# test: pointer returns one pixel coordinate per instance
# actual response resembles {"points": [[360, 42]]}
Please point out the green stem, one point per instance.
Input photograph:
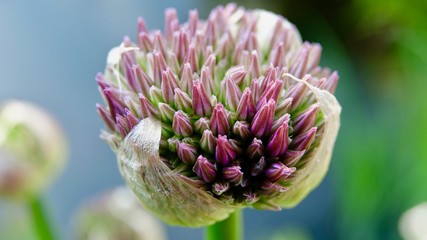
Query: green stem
{"points": [[229, 229], [40, 220]]}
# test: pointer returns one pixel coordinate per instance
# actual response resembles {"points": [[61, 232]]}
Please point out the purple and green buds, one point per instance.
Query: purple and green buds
{"points": [[214, 115]]}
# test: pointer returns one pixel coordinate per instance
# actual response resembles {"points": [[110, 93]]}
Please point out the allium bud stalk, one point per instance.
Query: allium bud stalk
{"points": [[234, 111]]}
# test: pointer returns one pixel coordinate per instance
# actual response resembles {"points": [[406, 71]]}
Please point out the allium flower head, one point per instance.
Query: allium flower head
{"points": [[210, 116], [33, 149]]}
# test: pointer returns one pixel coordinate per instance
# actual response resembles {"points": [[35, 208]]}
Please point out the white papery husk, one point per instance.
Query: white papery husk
{"points": [[177, 202]]}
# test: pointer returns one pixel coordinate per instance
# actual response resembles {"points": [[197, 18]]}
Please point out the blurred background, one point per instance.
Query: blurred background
{"points": [[50, 52]]}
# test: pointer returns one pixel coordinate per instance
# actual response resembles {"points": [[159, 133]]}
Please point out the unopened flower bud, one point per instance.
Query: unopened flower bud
{"points": [[33, 149], [114, 215], [231, 109]]}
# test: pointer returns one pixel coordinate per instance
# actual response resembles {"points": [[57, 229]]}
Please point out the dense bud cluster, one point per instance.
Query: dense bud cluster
{"points": [[236, 119]]}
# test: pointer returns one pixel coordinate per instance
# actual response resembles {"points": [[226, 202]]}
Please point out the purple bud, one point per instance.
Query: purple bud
{"points": [[270, 77], [252, 42], [201, 125], [254, 67], [261, 102], [147, 109], [168, 85], [186, 78], [210, 63], [232, 94], [246, 107], [166, 112], [114, 104], [278, 55], [144, 42], [210, 34], [182, 100], [283, 106], [201, 104], [292, 157], [331, 83], [315, 53], [173, 63], [241, 129], [224, 152], [159, 43], [106, 116], [305, 120], [297, 93], [278, 142], [272, 188], [219, 122], [250, 196], [304, 141], [219, 188], [141, 25], [170, 26], [259, 167], [256, 89], [263, 119], [144, 82], [278, 171], [237, 74], [159, 65], [299, 67], [204, 169], [237, 53], [193, 19], [208, 142], [186, 152], [181, 124], [223, 46], [206, 79], [180, 44], [193, 182], [273, 90], [191, 58], [122, 126], [101, 81], [232, 174], [280, 121], [155, 94], [255, 149], [131, 119], [126, 42]]}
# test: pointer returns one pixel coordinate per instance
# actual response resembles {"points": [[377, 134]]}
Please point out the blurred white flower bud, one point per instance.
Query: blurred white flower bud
{"points": [[116, 215], [33, 149], [413, 222]]}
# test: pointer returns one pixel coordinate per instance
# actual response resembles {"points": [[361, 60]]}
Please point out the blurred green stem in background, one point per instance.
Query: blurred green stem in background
{"points": [[228, 229], [40, 220]]}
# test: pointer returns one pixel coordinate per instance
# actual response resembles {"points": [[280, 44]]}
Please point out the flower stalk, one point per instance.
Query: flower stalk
{"points": [[41, 223], [228, 229]]}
